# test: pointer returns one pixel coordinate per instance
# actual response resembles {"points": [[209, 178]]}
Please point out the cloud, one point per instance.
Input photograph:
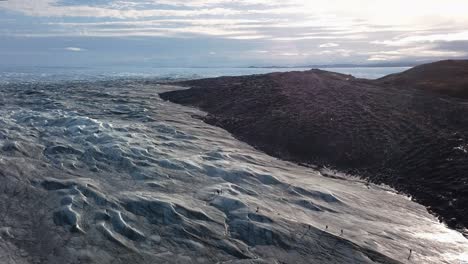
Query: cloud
{"points": [[328, 45], [453, 36], [288, 20], [290, 54], [74, 49], [415, 53], [338, 52], [321, 29]]}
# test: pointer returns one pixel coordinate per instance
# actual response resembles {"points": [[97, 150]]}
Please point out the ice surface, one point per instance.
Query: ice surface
{"points": [[106, 172]]}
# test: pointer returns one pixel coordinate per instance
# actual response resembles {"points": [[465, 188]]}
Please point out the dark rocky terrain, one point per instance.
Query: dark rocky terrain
{"points": [[448, 77], [407, 138]]}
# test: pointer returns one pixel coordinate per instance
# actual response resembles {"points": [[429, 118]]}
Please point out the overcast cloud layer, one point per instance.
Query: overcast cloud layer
{"points": [[230, 32]]}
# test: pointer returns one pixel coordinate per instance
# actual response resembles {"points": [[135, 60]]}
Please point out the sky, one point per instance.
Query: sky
{"points": [[230, 33]]}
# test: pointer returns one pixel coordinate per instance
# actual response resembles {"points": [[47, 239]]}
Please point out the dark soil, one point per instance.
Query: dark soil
{"points": [[448, 77], [409, 139]]}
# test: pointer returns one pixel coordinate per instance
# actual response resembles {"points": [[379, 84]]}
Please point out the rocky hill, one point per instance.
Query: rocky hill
{"points": [[448, 77], [410, 139]]}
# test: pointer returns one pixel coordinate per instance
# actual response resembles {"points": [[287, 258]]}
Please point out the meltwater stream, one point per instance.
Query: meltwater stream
{"points": [[107, 172]]}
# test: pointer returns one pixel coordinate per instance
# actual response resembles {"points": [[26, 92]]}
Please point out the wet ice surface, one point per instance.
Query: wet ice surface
{"points": [[107, 172]]}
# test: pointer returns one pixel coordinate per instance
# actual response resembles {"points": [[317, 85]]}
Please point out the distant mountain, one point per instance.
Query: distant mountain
{"points": [[449, 77], [341, 65]]}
